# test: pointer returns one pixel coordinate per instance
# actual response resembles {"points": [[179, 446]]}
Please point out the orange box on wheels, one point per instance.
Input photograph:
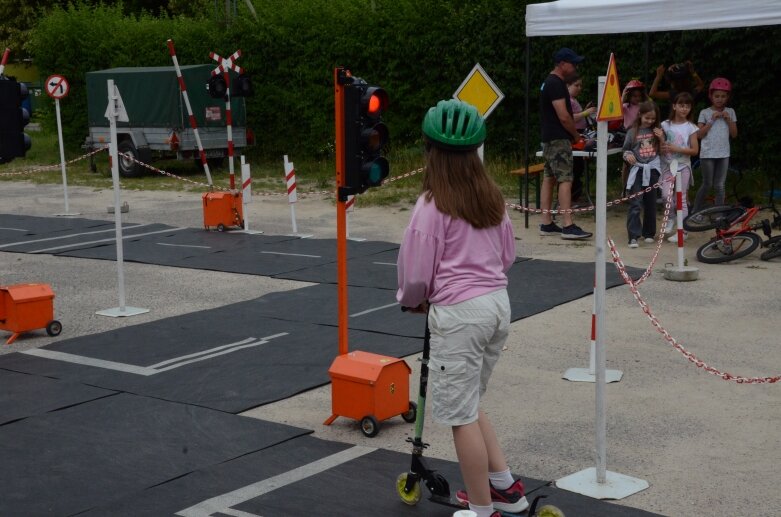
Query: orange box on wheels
{"points": [[370, 388], [26, 307], [222, 210]]}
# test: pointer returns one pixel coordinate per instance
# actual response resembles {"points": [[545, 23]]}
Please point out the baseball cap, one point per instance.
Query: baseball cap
{"points": [[568, 55]]}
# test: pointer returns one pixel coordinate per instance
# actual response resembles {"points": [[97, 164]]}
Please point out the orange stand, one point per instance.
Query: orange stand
{"points": [[26, 307], [222, 210], [364, 386]]}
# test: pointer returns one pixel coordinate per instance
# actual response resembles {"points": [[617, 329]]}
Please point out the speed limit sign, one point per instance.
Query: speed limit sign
{"points": [[57, 86]]}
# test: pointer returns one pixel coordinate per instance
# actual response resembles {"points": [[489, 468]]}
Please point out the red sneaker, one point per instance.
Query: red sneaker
{"points": [[510, 500]]}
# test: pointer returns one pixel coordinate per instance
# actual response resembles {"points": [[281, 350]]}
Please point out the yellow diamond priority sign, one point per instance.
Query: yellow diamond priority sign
{"points": [[480, 91], [610, 108]]}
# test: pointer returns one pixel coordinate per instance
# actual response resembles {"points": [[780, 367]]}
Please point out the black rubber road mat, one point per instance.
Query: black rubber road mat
{"points": [[228, 358], [24, 395], [308, 476], [72, 460]]}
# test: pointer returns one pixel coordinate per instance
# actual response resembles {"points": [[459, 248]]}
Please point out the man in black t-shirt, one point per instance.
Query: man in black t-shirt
{"points": [[558, 134]]}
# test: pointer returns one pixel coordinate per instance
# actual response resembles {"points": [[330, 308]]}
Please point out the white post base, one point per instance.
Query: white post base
{"points": [[248, 232], [117, 312], [584, 375], [616, 486], [681, 274]]}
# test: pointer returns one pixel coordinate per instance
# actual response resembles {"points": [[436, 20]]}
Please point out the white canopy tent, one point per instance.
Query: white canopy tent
{"points": [[583, 17], [565, 17]]}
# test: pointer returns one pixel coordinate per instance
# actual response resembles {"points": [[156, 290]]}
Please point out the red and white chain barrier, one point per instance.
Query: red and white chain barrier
{"points": [[658, 326], [52, 167]]}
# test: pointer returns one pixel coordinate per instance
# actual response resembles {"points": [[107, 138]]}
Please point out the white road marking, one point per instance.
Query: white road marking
{"points": [[385, 263], [89, 361], [290, 254], [183, 245], [224, 502], [162, 366], [59, 237], [112, 239], [14, 229], [372, 310]]}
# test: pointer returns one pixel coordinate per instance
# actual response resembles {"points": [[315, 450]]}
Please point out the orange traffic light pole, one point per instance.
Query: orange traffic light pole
{"points": [[340, 76]]}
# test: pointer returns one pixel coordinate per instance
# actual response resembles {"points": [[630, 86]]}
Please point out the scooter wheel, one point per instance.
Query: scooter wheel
{"points": [[549, 511], [410, 415], [413, 496], [369, 426], [54, 328]]}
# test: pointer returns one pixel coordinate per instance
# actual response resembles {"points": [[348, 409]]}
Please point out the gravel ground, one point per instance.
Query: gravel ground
{"points": [[705, 445]]}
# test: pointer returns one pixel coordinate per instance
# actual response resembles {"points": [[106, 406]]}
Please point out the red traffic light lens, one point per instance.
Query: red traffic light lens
{"points": [[374, 101]]}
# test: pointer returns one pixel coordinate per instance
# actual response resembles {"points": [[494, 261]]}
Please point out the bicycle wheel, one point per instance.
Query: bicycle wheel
{"points": [[712, 217], [721, 250], [773, 248]]}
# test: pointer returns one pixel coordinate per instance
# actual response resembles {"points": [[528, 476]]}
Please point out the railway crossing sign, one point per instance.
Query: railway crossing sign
{"points": [[57, 86], [226, 64]]}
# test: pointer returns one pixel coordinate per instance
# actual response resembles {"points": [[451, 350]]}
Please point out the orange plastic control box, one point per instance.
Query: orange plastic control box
{"points": [[26, 307], [222, 210], [369, 385]]}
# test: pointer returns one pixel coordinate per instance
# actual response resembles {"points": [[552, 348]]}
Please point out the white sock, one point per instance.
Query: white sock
{"points": [[501, 480], [482, 511]]}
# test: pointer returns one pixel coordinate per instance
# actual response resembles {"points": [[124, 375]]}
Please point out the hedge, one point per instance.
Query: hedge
{"points": [[419, 51]]}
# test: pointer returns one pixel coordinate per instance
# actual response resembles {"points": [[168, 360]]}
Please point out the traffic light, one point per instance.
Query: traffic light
{"points": [[365, 135], [14, 143], [217, 87], [242, 86]]}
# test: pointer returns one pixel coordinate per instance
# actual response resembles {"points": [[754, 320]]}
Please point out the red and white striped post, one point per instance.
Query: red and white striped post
{"points": [[349, 206], [589, 374], [246, 194], [682, 272], [6, 53], [227, 64], [193, 123], [292, 195]]}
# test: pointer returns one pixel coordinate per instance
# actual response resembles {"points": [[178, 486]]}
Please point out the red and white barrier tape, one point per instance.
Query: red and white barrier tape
{"points": [[658, 326], [53, 167]]}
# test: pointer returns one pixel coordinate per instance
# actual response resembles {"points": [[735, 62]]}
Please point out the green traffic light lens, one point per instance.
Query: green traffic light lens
{"points": [[375, 172]]}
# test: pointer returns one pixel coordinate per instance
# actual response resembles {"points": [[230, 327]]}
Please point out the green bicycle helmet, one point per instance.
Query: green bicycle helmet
{"points": [[454, 125]]}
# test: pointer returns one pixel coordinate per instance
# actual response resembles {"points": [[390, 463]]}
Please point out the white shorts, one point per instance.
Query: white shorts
{"points": [[466, 340]]}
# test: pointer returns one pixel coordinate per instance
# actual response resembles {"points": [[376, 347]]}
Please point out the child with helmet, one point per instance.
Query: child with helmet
{"points": [[452, 263], [717, 124], [632, 96]]}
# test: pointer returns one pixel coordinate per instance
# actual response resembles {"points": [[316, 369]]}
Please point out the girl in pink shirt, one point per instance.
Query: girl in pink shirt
{"points": [[452, 264]]}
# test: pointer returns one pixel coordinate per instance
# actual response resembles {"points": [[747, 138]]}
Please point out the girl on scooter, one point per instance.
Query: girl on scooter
{"points": [[452, 264]]}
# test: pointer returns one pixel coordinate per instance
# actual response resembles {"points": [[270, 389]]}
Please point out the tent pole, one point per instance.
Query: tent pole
{"points": [[525, 177]]}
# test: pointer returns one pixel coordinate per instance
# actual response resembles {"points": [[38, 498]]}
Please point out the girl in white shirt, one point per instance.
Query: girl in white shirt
{"points": [[680, 144]]}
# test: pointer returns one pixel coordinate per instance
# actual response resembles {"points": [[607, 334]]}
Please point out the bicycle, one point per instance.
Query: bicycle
{"points": [[735, 237]]}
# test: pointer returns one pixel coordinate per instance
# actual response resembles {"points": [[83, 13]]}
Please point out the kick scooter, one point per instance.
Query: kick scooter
{"points": [[408, 483]]}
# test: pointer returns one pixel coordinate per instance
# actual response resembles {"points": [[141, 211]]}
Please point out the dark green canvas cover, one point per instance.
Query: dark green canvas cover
{"points": [[152, 99]]}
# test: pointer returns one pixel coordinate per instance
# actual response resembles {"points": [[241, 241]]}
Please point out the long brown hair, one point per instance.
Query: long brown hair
{"points": [[642, 109], [461, 188]]}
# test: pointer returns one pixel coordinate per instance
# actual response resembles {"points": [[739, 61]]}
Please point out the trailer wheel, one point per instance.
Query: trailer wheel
{"points": [[54, 328], [127, 167]]}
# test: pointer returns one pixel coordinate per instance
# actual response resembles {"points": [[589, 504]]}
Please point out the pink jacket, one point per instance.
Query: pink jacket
{"points": [[447, 261]]}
